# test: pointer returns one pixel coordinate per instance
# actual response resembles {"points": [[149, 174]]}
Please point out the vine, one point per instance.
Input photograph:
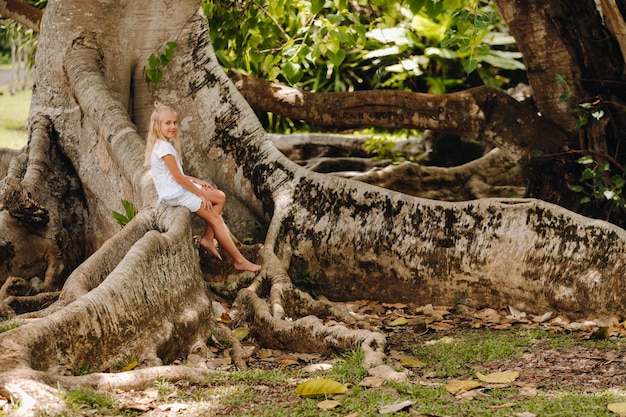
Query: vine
{"points": [[154, 73]]}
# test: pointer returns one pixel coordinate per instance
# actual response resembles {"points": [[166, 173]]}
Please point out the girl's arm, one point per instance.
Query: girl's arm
{"points": [[184, 180], [200, 182]]}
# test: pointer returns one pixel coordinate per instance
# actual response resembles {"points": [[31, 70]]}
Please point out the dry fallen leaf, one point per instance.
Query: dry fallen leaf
{"points": [[498, 377], [241, 333], [400, 321], [372, 382], [619, 408], [398, 306], [172, 407], [129, 366], [543, 318], [319, 387], [516, 314], [314, 367], [488, 315], [441, 326], [287, 362], [328, 404], [265, 353], [411, 362], [388, 409], [527, 392], [456, 386], [224, 318], [387, 373]]}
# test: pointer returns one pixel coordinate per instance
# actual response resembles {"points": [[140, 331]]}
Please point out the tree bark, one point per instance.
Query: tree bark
{"points": [[572, 42], [482, 113], [21, 12]]}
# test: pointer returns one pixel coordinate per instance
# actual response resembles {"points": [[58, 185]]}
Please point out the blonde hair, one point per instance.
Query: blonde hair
{"points": [[154, 131]]}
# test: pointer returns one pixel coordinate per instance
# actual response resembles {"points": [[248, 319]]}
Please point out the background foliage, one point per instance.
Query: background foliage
{"points": [[433, 46]]}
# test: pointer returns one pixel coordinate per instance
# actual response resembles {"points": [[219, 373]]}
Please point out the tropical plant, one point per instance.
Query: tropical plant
{"points": [[417, 45]]}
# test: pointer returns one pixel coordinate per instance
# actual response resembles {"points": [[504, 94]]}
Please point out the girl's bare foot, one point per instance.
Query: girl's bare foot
{"points": [[246, 265], [209, 246]]}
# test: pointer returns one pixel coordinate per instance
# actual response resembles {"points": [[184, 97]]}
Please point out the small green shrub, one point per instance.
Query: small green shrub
{"points": [[131, 211], [600, 185]]}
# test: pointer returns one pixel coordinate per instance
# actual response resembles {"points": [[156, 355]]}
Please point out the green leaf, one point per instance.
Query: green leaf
{"points": [[320, 387], [293, 72], [588, 174], [576, 188], [120, 218], [561, 78], [130, 209], [469, 65], [129, 366], [503, 60], [153, 61], [336, 58], [565, 96], [158, 77], [317, 6], [585, 160]]}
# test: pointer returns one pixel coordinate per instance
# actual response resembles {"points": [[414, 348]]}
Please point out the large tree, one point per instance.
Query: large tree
{"points": [[78, 287]]}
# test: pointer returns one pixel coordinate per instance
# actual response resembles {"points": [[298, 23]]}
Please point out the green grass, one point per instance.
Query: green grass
{"points": [[14, 118], [86, 399], [7, 324]]}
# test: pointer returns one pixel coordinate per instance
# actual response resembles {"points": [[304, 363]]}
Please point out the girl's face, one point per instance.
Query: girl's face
{"points": [[169, 125]]}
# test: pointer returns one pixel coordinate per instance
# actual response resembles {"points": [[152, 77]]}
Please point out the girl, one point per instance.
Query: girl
{"points": [[177, 189]]}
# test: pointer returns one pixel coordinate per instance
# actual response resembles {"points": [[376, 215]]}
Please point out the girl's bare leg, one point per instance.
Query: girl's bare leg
{"points": [[218, 200], [208, 243], [221, 233]]}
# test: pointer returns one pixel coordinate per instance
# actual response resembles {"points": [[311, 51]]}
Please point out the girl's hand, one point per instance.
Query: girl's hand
{"points": [[205, 185], [207, 203]]}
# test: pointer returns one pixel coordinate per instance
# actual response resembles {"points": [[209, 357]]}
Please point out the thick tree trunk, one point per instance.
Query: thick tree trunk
{"points": [[572, 42], [143, 287]]}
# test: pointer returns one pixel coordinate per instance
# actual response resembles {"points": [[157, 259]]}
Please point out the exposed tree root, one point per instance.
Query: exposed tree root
{"points": [[119, 297], [42, 240], [493, 175]]}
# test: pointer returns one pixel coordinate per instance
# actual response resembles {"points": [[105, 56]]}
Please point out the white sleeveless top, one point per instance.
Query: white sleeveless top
{"points": [[164, 182]]}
